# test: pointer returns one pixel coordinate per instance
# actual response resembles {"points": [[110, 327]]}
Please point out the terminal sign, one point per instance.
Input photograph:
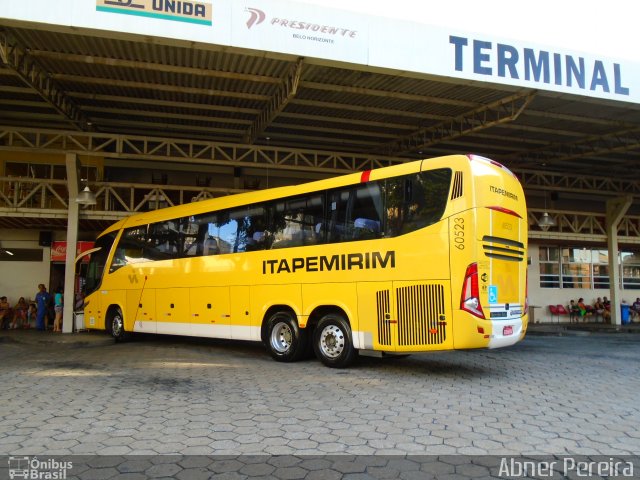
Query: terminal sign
{"points": [[539, 66]]}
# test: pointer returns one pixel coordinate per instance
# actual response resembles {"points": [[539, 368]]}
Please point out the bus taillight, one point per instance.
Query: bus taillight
{"points": [[505, 210], [470, 299]]}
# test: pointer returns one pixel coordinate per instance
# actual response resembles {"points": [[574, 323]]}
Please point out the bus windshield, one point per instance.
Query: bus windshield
{"points": [[97, 262]]}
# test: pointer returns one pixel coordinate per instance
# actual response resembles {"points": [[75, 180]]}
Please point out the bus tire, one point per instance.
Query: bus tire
{"points": [[332, 341], [116, 326], [285, 340]]}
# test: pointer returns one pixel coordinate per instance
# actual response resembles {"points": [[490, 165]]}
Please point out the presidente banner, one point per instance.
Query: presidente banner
{"points": [[300, 29], [305, 30]]}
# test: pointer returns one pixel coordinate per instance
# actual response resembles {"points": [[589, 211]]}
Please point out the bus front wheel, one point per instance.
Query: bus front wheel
{"points": [[285, 340], [332, 341], [116, 323]]}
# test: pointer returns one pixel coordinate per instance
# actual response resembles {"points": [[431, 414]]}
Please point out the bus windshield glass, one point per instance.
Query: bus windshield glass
{"points": [[97, 262]]}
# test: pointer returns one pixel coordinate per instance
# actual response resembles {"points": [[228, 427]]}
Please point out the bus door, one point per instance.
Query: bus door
{"points": [[210, 314], [141, 304], [172, 311], [241, 326]]}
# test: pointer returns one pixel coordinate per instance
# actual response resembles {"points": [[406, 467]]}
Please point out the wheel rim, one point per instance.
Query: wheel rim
{"points": [[281, 337], [116, 326], [332, 340]]}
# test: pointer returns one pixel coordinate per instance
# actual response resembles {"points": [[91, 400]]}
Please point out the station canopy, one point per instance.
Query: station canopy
{"points": [[531, 108]]}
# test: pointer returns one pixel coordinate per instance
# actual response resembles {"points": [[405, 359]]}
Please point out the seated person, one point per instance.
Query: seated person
{"points": [[582, 309], [5, 313], [366, 228], [607, 309], [598, 307], [20, 313]]}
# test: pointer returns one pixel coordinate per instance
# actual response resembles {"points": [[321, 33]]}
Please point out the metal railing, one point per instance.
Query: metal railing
{"points": [[21, 195], [17, 193], [582, 226]]}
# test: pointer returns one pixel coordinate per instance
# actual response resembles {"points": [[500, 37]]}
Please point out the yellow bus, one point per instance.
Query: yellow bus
{"points": [[417, 257]]}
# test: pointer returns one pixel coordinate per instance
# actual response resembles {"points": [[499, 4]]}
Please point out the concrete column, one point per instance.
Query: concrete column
{"points": [[616, 210], [73, 167]]}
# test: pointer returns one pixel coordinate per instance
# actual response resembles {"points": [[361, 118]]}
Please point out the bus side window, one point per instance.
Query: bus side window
{"points": [[294, 221], [416, 201], [163, 241], [130, 248], [189, 239], [356, 213], [338, 221], [210, 226]]}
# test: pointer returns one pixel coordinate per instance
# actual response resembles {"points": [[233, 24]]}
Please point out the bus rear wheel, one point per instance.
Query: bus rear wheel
{"points": [[332, 341], [285, 340], [116, 326]]}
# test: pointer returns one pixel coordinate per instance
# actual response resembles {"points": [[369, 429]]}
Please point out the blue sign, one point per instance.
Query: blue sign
{"points": [[493, 294]]}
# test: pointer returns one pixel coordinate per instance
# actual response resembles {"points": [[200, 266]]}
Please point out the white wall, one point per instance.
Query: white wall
{"points": [[21, 279], [543, 297]]}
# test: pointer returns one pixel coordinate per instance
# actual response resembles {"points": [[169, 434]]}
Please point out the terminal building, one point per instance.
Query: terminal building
{"points": [[112, 107]]}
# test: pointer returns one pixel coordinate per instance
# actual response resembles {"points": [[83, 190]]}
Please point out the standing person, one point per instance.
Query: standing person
{"points": [[574, 311], [635, 309], [42, 300], [57, 302], [32, 314]]}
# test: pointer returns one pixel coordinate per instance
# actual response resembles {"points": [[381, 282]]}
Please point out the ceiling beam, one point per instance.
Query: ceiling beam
{"points": [[624, 140], [387, 94], [502, 111], [153, 67], [20, 60], [20, 90], [367, 109], [286, 91], [26, 103], [156, 114], [289, 127], [346, 121], [164, 126], [326, 141], [446, 101], [564, 182], [164, 103], [112, 82]]}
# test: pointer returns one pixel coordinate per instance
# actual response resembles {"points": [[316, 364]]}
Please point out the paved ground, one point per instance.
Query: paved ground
{"points": [[82, 394]]}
